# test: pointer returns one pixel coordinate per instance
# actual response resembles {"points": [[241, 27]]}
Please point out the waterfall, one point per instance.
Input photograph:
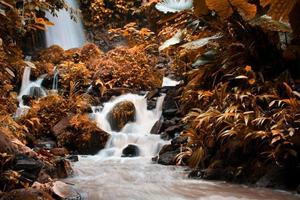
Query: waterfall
{"points": [[30, 89], [55, 80], [25, 78], [108, 175], [66, 32], [167, 82], [136, 132]]}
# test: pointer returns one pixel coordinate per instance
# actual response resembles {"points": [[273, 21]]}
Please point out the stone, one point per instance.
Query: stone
{"points": [[72, 158], [47, 144], [84, 136], [167, 155], [28, 166], [122, 113], [156, 129], [131, 151], [196, 174], [27, 100], [65, 191], [36, 92], [26, 194], [169, 112]]}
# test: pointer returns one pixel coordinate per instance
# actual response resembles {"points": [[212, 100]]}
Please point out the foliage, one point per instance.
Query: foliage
{"points": [[20, 17], [115, 12]]}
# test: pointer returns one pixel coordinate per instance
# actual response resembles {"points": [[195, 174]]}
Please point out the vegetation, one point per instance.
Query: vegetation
{"points": [[239, 97]]}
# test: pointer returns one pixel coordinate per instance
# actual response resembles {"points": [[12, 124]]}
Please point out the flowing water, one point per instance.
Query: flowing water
{"points": [[66, 32], [32, 89], [109, 176]]}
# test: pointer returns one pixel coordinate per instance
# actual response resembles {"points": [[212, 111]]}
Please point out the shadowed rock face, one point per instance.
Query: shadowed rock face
{"points": [[120, 115], [131, 151]]}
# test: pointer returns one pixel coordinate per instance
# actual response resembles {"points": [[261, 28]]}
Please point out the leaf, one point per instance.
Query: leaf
{"points": [[225, 8], [10, 72], [173, 40], [200, 8], [30, 64], [264, 3], [241, 77], [274, 140], [280, 9], [201, 42], [196, 157]]}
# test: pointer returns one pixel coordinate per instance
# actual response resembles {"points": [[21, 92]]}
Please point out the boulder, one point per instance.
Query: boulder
{"points": [[131, 151], [122, 113], [26, 194], [156, 129], [65, 191], [29, 167], [36, 92], [167, 155], [78, 133]]}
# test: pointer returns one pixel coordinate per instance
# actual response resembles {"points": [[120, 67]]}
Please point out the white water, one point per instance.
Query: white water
{"points": [[55, 80], [109, 176], [66, 32], [169, 82], [27, 88]]}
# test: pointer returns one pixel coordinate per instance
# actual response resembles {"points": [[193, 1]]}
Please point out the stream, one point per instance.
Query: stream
{"points": [[108, 175]]}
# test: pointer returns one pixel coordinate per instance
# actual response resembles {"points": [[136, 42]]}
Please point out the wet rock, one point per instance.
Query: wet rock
{"points": [[167, 155], [196, 174], [28, 166], [172, 132], [213, 173], [169, 112], [177, 141], [151, 104], [27, 100], [49, 144], [152, 99], [170, 106], [26, 194], [156, 129], [72, 158], [64, 191], [79, 133], [131, 151], [62, 168], [36, 92], [121, 114]]}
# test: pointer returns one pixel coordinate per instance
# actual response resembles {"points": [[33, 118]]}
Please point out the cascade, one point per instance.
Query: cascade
{"points": [[55, 80], [108, 175], [29, 88], [66, 32]]}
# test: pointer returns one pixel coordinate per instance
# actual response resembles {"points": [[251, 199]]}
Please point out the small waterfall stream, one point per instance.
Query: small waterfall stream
{"points": [[108, 175], [66, 32], [30, 89]]}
